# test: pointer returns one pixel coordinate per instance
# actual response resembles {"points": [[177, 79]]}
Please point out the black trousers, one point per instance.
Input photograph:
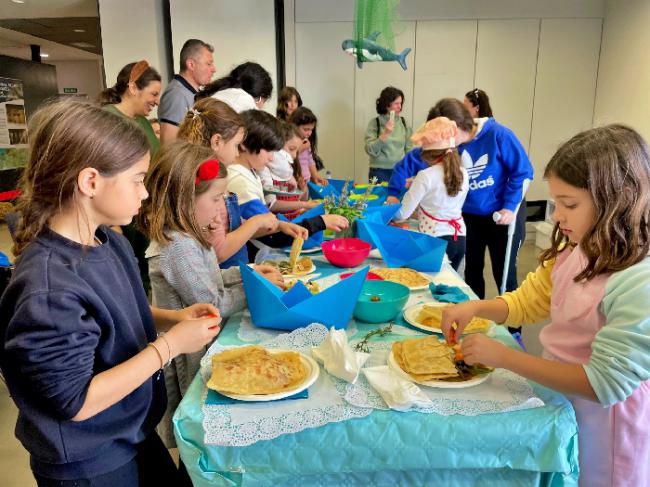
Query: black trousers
{"points": [[455, 249], [482, 232], [151, 467]]}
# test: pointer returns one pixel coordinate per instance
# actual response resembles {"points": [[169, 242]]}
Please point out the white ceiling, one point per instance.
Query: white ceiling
{"points": [[34, 9], [16, 44]]}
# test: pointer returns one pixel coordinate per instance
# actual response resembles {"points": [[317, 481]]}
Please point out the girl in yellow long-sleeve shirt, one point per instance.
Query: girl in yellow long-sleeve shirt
{"points": [[594, 285]]}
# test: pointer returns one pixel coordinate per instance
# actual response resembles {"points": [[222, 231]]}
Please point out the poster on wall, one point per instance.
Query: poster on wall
{"points": [[13, 124]]}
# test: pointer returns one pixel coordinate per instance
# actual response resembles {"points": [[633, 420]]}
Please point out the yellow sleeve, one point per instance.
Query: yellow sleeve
{"points": [[531, 302]]}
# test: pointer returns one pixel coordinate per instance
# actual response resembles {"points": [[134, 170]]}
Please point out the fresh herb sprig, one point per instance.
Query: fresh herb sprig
{"points": [[341, 205], [362, 346]]}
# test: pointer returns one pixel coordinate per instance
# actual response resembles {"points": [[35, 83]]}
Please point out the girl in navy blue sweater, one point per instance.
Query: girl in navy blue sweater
{"points": [[80, 351]]}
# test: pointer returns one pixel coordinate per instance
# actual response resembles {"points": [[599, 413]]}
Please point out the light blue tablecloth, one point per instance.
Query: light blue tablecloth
{"points": [[522, 448]]}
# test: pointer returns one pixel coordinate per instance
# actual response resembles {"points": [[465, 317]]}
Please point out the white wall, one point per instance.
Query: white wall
{"points": [[533, 58], [131, 31], [240, 31], [85, 76], [565, 88], [328, 92], [623, 91], [343, 10]]}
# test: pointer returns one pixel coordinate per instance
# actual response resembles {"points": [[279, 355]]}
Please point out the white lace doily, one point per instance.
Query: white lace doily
{"points": [[249, 333], [503, 391], [243, 424]]}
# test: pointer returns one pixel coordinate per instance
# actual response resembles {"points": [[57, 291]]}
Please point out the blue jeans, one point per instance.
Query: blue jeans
{"points": [[234, 215], [382, 175]]}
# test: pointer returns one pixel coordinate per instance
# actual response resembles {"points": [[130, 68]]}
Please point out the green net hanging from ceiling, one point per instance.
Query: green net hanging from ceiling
{"points": [[372, 17]]}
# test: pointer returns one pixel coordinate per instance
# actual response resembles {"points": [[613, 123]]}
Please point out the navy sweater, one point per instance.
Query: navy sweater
{"points": [[68, 314]]}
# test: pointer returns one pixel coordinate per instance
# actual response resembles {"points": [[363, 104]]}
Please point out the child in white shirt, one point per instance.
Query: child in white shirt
{"points": [[438, 192], [282, 173]]}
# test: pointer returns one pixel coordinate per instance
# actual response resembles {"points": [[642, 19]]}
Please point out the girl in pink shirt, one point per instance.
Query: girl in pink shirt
{"points": [[594, 285]]}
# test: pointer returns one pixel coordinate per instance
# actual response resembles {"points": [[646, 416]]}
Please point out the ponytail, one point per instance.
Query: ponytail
{"points": [[112, 95], [453, 175], [193, 129], [209, 117]]}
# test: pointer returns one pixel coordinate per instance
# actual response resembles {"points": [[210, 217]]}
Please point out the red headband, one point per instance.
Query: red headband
{"points": [[208, 170]]}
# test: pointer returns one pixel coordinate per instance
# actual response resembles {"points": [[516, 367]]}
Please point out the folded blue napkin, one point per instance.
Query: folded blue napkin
{"points": [[447, 294], [215, 399]]}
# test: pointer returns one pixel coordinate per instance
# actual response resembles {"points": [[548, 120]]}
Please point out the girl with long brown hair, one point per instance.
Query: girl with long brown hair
{"points": [[594, 285], [438, 192], [310, 161], [187, 186], [80, 351], [288, 101]]}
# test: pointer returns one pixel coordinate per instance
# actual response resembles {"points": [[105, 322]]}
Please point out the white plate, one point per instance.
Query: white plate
{"points": [[375, 254], [312, 374], [416, 288], [303, 274], [310, 250], [411, 314], [441, 384], [295, 276], [281, 192]]}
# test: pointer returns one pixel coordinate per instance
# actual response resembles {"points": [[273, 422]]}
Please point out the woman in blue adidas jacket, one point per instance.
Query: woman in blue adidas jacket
{"points": [[498, 166]]}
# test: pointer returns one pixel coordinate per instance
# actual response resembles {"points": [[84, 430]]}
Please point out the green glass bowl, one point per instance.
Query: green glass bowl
{"points": [[380, 301]]}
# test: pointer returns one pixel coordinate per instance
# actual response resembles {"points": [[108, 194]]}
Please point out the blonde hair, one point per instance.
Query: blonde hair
{"points": [[209, 117], [172, 192], [613, 164], [66, 137]]}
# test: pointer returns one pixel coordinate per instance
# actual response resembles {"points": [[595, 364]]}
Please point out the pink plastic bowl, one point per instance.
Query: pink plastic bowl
{"points": [[371, 276], [346, 252]]}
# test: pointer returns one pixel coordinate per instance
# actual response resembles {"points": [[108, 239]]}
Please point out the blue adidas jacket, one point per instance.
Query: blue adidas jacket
{"points": [[497, 165]]}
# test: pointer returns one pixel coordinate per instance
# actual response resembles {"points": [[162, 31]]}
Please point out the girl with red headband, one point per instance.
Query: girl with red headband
{"points": [[187, 186], [212, 123]]}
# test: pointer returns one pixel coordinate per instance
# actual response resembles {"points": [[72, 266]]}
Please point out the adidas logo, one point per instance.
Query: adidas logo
{"points": [[481, 184], [474, 169]]}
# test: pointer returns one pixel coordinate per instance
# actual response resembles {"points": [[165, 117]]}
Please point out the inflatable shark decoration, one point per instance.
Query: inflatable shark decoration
{"points": [[372, 51]]}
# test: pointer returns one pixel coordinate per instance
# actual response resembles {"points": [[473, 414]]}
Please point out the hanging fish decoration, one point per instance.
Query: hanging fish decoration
{"points": [[371, 51]]}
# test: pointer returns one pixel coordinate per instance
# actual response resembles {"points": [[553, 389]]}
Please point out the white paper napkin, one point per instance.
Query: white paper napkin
{"points": [[338, 358], [398, 393]]}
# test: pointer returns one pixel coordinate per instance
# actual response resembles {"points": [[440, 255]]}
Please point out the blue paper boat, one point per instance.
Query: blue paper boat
{"points": [[271, 307], [317, 238], [334, 188], [404, 248], [376, 214]]}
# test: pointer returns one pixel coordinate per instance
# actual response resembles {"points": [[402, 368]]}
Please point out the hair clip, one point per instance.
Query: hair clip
{"points": [[195, 112], [208, 170]]}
